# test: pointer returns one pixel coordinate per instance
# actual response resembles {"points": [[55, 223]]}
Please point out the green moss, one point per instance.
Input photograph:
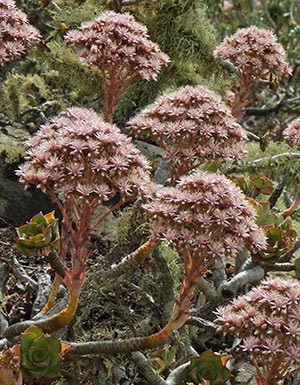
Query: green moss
{"points": [[123, 225], [126, 225], [173, 261], [11, 150], [80, 83], [274, 168], [22, 92], [73, 13]]}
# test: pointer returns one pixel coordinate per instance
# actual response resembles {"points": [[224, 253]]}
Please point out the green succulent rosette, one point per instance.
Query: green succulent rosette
{"points": [[40, 355], [210, 367], [39, 236]]}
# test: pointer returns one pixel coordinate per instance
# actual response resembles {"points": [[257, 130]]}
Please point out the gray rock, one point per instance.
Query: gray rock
{"points": [[16, 205]]}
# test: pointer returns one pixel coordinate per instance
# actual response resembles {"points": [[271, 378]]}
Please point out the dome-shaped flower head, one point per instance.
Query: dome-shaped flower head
{"points": [[16, 34], [120, 47], [257, 54], [254, 50], [81, 156], [193, 125], [206, 215], [268, 320], [292, 133]]}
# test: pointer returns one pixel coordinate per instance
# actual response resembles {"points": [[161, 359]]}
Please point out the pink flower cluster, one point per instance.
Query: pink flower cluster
{"points": [[268, 321], [193, 125], [292, 133], [16, 34], [80, 155], [119, 46], [254, 50], [206, 215]]}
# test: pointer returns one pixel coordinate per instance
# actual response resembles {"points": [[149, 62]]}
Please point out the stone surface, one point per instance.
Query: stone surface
{"points": [[16, 204]]}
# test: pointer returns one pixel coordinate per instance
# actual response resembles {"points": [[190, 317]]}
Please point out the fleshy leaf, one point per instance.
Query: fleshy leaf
{"points": [[210, 367], [40, 355], [263, 183], [39, 236]]}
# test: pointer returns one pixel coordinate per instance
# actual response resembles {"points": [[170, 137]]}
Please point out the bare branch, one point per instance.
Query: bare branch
{"points": [[174, 377], [17, 270], [168, 285], [219, 273], [202, 323], [43, 323], [286, 257], [146, 370], [256, 162], [129, 2], [230, 288], [130, 262], [44, 287], [278, 190], [264, 111], [208, 290]]}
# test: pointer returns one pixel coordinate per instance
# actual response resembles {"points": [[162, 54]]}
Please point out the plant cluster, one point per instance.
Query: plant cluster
{"points": [[256, 54], [16, 34], [122, 51], [292, 133], [267, 319], [193, 125], [205, 218], [81, 162], [254, 49], [81, 158]]}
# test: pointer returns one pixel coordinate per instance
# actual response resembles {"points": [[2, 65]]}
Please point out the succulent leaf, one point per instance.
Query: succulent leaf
{"points": [[40, 355], [208, 366], [39, 236], [279, 231], [257, 183]]}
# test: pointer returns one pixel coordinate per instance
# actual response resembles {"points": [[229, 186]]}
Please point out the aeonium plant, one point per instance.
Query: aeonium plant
{"points": [[194, 126], [120, 48], [37, 358], [39, 355], [209, 367], [267, 319], [16, 32], [205, 217], [256, 54], [39, 236], [81, 162]]}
